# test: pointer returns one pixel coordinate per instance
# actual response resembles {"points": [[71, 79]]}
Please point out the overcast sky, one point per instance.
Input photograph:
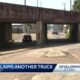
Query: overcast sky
{"points": [[56, 4]]}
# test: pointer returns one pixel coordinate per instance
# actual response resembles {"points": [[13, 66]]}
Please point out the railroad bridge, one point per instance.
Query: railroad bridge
{"points": [[12, 13]]}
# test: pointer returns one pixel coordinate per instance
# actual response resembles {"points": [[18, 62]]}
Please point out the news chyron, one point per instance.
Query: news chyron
{"points": [[39, 68]]}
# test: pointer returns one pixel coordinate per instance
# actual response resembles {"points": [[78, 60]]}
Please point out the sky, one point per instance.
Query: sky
{"points": [[55, 4]]}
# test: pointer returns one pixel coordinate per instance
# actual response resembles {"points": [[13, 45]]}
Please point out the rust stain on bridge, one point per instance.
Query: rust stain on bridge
{"points": [[21, 14]]}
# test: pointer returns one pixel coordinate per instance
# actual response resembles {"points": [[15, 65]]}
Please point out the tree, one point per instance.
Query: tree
{"points": [[76, 6]]}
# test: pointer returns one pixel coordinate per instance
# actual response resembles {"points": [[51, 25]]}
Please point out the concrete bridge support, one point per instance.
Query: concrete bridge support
{"points": [[75, 33], [78, 32], [5, 33], [41, 32]]}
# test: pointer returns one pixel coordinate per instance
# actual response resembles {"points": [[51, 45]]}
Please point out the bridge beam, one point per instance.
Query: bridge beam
{"points": [[41, 33], [5, 33]]}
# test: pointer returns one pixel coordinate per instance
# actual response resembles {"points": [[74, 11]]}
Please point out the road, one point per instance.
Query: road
{"points": [[61, 53]]}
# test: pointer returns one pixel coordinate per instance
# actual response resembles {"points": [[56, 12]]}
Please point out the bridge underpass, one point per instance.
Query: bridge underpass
{"points": [[42, 33], [10, 13]]}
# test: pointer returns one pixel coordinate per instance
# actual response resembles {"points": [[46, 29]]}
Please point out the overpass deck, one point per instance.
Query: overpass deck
{"points": [[23, 14]]}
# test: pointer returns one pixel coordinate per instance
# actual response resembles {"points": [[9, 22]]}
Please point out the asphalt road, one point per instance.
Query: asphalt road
{"points": [[66, 53]]}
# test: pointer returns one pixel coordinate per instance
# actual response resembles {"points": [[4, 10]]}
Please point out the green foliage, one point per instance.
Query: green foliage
{"points": [[76, 6]]}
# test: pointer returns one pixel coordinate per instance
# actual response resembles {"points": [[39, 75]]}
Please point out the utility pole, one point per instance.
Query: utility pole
{"points": [[37, 3], [25, 2], [37, 9], [64, 4], [70, 5], [24, 28], [41, 3]]}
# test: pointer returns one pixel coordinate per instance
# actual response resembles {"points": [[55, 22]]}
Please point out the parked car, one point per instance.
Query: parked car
{"points": [[27, 38], [55, 31]]}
